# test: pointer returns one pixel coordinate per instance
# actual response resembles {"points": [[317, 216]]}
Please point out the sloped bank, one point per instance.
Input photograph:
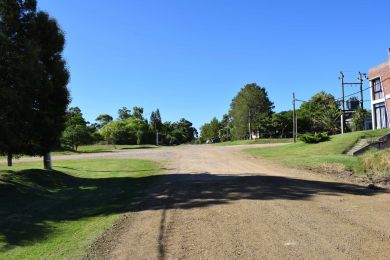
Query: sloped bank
{"points": [[330, 157]]}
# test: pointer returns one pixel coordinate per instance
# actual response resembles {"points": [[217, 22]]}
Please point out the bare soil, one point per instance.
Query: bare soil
{"points": [[218, 203]]}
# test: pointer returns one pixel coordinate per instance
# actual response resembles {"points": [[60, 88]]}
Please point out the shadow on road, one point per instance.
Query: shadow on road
{"points": [[26, 210]]}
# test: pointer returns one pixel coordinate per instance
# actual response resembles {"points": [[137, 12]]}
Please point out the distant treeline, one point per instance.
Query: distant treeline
{"points": [[251, 113], [129, 128]]}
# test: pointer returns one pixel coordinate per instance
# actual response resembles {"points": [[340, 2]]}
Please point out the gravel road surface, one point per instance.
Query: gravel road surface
{"points": [[219, 203]]}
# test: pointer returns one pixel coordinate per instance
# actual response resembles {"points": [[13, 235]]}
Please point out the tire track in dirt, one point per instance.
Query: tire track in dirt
{"points": [[218, 203]]}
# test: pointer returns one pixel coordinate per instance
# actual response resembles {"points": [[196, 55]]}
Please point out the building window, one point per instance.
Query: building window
{"points": [[377, 89], [380, 115]]}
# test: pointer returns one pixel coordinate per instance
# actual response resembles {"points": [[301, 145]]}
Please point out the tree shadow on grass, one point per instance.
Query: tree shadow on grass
{"points": [[105, 171], [138, 147], [30, 199]]}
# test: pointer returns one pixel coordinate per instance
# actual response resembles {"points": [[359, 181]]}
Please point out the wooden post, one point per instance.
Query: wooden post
{"points": [[47, 161], [361, 90], [9, 159]]}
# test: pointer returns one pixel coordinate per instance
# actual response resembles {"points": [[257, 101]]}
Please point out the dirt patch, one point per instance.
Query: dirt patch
{"points": [[337, 171], [107, 242]]}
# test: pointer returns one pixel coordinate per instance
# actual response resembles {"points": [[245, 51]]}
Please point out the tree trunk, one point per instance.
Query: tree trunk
{"points": [[9, 159], [47, 161]]}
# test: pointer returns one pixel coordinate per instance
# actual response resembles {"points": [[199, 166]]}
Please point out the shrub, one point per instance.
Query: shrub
{"points": [[375, 163], [314, 138]]}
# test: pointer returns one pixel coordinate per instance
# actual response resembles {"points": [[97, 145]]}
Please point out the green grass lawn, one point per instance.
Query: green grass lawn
{"points": [[303, 155], [101, 148], [257, 141], [96, 148], [58, 214]]}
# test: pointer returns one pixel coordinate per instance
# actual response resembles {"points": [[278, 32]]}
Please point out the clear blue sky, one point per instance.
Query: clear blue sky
{"points": [[190, 58]]}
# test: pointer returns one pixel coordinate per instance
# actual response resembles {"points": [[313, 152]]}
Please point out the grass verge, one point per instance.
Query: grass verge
{"points": [[258, 141], [58, 214], [375, 164], [100, 148], [302, 155]]}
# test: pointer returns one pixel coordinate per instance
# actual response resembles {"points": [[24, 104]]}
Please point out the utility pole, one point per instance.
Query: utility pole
{"points": [[361, 79], [294, 120], [249, 124], [342, 100]]}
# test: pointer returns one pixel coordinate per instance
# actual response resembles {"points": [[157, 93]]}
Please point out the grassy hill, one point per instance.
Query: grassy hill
{"points": [[304, 155]]}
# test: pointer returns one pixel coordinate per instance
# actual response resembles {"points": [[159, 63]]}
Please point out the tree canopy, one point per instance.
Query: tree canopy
{"points": [[250, 106], [138, 112], [210, 130], [321, 113], [33, 79], [103, 120], [76, 130], [124, 113]]}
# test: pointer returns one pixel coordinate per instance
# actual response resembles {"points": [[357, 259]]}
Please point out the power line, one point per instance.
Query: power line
{"points": [[352, 94]]}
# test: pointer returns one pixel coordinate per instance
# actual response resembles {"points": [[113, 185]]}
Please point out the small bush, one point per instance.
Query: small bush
{"points": [[314, 138]]}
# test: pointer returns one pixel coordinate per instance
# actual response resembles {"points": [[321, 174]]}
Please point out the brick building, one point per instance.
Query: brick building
{"points": [[379, 77]]}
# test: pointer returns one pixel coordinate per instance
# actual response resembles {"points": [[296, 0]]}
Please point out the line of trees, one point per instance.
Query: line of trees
{"points": [[129, 128], [33, 80], [251, 112]]}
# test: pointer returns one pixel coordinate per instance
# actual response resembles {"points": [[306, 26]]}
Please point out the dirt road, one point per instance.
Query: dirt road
{"points": [[218, 203]]}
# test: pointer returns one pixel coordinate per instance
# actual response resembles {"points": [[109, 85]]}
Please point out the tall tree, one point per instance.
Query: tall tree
{"points": [[15, 70], [138, 112], [155, 120], [210, 130], [224, 133], [184, 131], [76, 131], [322, 112], [250, 109], [53, 98], [124, 113], [282, 124], [33, 80], [103, 120]]}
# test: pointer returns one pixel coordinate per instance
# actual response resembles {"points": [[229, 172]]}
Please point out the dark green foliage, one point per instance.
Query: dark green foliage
{"points": [[103, 120], [155, 120], [358, 119], [124, 113], [76, 131], [282, 124], [136, 130], [178, 132], [320, 114], [33, 79], [226, 126], [183, 131], [138, 112], [314, 138], [252, 105], [210, 130]]}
